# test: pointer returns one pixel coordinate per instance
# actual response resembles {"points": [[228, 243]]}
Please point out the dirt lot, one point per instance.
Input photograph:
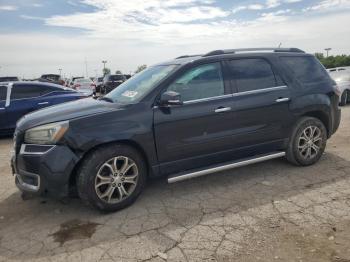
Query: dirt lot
{"points": [[266, 212]]}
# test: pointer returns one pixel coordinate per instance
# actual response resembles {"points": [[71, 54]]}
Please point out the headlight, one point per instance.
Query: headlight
{"points": [[46, 134]]}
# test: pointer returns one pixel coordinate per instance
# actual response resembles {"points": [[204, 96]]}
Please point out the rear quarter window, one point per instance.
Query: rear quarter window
{"points": [[307, 69], [3, 91], [31, 91]]}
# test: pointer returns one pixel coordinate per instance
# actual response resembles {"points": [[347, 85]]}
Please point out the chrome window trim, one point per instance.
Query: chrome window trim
{"points": [[8, 95], [24, 152], [258, 91], [206, 99]]}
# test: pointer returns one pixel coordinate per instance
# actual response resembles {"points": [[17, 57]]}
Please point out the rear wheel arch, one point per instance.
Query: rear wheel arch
{"points": [[320, 115]]}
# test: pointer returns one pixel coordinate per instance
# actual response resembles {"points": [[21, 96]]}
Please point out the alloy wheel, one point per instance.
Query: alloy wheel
{"points": [[116, 179], [310, 142]]}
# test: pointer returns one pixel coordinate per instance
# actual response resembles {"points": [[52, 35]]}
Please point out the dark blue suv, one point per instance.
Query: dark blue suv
{"points": [[20, 98], [184, 118]]}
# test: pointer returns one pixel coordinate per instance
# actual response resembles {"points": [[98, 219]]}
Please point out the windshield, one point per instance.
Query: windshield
{"points": [[116, 77], [80, 80], [8, 79], [134, 89]]}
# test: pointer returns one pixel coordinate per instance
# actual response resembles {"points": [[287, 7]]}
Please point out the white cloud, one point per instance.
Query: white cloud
{"points": [[29, 17], [37, 5], [136, 32], [8, 8], [267, 4], [272, 3], [328, 5]]}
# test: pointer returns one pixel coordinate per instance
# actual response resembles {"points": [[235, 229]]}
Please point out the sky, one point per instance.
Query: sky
{"points": [[43, 36]]}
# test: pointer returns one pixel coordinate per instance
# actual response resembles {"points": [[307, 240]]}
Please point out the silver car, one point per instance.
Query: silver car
{"points": [[85, 86], [341, 75]]}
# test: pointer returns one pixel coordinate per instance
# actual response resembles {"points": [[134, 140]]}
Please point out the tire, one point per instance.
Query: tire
{"points": [[118, 168], [300, 150], [344, 98]]}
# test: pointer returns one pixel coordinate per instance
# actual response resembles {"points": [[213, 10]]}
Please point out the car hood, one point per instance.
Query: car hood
{"points": [[66, 111]]}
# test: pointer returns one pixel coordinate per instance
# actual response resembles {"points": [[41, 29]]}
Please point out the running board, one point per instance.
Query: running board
{"points": [[222, 167]]}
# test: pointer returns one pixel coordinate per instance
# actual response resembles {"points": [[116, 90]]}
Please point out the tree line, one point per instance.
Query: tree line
{"points": [[107, 71], [334, 61]]}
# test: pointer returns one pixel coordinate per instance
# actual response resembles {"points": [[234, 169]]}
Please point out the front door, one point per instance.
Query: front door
{"points": [[3, 118], [197, 133]]}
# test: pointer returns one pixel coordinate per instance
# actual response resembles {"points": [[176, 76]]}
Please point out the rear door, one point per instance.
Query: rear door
{"points": [[261, 105], [24, 98]]}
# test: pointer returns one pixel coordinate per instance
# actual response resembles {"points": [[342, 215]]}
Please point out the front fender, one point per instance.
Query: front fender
{"points": [[134, 124]]}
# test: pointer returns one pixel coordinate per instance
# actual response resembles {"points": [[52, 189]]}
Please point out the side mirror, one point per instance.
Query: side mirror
{"points": [[170, 98]]}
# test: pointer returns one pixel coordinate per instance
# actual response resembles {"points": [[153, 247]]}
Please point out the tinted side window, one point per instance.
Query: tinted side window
{"points": [[28, 91], [306, 68], [252, 74], [3, 91], [200, 82]]}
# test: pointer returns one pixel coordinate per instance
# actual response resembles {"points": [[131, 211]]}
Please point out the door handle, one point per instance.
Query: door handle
{"points": [[222, 109], [43, 103], [282, 99]]}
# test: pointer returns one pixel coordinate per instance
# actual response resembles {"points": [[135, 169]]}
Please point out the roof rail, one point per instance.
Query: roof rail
{"points": [[186, 56], [233, 51]]}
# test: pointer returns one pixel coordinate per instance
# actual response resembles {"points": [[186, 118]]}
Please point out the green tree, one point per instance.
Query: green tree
{"points": [[106, 71], [118, 72], [334, 61], [140, 68]]}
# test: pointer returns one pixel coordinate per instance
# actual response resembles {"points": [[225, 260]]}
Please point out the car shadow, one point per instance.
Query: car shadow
{"points": [[39, 227]]}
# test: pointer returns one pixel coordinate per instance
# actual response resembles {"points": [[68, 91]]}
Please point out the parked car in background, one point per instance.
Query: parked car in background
{"points": [[99, 83], [127, 76], [70, 83], [341, 76], [52, 78], [184, 118], [20, 98], [112, 81], [7, 79], [85, 86]]}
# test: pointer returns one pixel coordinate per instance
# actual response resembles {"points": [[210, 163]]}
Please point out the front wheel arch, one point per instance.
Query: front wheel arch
{"points": [[74, 173]]}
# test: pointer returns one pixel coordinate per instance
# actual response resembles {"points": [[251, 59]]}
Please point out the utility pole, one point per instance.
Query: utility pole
{"points": [[104, 65], [327, 50], [86, 69]]}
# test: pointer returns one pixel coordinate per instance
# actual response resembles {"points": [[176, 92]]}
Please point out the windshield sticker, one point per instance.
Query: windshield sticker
{"points": [[130, 94]]}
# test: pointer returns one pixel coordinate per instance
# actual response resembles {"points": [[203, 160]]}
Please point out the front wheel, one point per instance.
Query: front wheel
{"points": [[308, 142], [111, 178]]}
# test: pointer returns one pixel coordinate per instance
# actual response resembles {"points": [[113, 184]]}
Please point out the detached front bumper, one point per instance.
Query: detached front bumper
{"points": [[42, 169]]}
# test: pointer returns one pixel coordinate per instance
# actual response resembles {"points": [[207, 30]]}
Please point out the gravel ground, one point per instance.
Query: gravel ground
{"points": [[270, 211]]}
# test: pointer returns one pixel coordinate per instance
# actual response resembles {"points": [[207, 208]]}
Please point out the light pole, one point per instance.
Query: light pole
{"points": [[60, 70], [104, 66], [327, 50]]}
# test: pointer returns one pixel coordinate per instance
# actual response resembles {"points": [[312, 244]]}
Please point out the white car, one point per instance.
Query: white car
{"points": [[85, 86], [341, 76]]}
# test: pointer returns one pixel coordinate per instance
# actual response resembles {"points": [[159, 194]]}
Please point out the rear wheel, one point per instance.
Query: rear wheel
{"points": [[111, 178], [308, 142]]}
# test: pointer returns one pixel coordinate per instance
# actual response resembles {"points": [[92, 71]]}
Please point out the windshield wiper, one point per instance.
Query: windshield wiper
{"points": [[106, 99]]}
